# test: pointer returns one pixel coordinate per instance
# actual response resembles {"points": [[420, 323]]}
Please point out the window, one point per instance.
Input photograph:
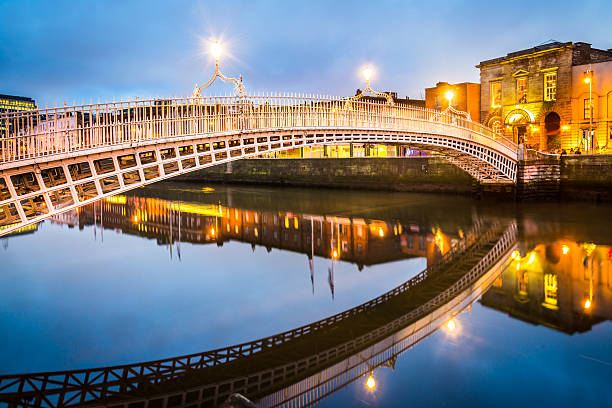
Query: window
{"points": [[497, 127], [550, 86], [496, 94], [438, 103], [550, 289], [587, 108], [521, 90]]}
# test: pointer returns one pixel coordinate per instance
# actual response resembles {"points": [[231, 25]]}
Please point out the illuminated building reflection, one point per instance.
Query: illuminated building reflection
{"points": [[563, 285], [356, 240]]}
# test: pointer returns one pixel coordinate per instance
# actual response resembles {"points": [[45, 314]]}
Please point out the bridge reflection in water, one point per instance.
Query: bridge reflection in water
{"points": [[302, 365]]}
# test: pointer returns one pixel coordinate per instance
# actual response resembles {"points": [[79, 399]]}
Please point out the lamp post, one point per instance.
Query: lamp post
{"points": [[449, 95], [216, 50], [588, 80], [367, 75]]}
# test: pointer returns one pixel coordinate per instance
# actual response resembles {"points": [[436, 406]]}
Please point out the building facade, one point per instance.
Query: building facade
{"points": [[527, 95], [592, 107], [466, 98], [10, 103]]}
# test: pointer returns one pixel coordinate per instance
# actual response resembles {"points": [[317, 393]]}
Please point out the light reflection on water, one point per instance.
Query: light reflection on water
{"points": [[174, 270]]}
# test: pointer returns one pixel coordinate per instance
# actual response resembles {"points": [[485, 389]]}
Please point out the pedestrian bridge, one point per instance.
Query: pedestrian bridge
{"points": [[53, 160]]}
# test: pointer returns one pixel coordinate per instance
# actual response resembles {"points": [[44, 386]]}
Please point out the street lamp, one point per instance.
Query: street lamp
{"points": [[449, 96], [216, 50], [589, 80], [367, 75]]}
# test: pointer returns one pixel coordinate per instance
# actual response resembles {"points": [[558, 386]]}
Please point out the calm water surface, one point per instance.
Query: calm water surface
{"points": [[178, 268]]}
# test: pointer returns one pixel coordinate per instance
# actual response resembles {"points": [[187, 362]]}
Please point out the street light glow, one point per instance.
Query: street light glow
{"points": [[367, 73], [216, 49], [370, 382], [587, 304], [587, 80], [451, 325], [449, 95]]}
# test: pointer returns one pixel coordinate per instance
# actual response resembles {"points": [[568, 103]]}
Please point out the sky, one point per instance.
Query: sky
{"points": [[56, 51]]}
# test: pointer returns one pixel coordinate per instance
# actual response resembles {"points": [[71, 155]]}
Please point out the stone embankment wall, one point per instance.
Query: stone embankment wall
{"points": [[538, 179], [586, 177], [422, 174], [580, 177]]}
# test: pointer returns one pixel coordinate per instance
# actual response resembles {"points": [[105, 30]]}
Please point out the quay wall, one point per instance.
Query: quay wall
{"points": [[418, 174], [569, 178]]}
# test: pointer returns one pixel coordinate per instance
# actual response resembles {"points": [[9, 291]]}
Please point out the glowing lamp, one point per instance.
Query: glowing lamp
{"points": [[587, 304], [212, 231], [587, 80], [564, 249], [451, 325], [216, 49], [370, 382], [367, 73], [565, 127], [531, 259], [335, 254], [380, 232], [449, 95]]}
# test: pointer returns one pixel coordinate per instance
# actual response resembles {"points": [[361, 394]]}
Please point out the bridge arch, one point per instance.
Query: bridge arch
{"points": [[105, 150]]}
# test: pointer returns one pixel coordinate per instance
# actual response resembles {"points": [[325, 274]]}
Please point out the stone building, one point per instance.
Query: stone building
{"points": [[527, 95], [466, 98]]}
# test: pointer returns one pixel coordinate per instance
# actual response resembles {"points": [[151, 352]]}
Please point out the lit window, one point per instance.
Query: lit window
{"points": [[550, 86], [496, 94], [521, 90], [550, 289], [587, 108], [523, 281]]}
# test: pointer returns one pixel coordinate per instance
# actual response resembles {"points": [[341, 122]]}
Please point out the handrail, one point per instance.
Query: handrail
{"points": [[45, 132]]}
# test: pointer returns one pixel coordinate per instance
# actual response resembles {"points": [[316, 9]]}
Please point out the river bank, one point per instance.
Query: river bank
{"points": [[569, 178]]}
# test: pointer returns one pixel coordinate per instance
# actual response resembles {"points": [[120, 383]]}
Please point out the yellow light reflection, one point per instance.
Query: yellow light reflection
{"points": [[587, 304], [531, 258], [381, 232], [565, 249], [371, 383], [212, 232], [451, 325], [335, 254], [515, 254]]}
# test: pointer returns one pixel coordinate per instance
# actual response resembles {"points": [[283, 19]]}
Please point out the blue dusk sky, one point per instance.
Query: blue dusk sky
{"points": [[57, 51]]}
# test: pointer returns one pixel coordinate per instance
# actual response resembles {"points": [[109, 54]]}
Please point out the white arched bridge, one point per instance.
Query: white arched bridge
{"points": [[57, 159]]}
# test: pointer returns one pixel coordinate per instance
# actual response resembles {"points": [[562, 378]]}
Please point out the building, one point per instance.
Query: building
{"points": [[466, 98], [528, 95], [592, 82], [563, 285], [9, 103]]}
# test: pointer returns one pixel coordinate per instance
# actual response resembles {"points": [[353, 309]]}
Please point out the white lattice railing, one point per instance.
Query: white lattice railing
{"points": [[59, 130]]}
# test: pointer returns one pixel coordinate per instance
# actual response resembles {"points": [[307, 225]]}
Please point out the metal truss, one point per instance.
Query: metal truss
{"points": [[149, 384]]}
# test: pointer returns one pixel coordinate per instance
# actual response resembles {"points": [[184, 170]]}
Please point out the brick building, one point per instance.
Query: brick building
{"points": [[527, 95], [466, 98]]}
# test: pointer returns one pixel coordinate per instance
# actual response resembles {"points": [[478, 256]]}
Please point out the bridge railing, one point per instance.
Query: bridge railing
{"points": [[59, 130]]}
